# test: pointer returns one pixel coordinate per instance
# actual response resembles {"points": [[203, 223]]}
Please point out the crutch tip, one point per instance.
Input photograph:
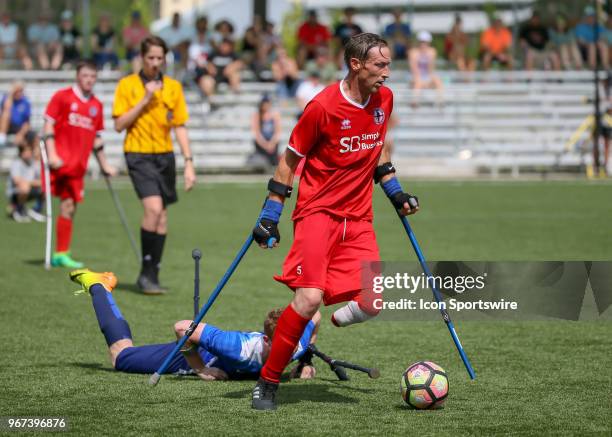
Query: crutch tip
{"points": [[374, 373], [154, 379]]}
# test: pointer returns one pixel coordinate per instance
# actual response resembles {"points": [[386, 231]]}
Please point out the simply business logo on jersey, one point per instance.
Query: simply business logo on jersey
{"points": [[363, 142], [77, 120]]}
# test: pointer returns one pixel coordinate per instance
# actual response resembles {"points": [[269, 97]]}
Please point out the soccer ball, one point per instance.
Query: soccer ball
{"points": [[424, 385]]}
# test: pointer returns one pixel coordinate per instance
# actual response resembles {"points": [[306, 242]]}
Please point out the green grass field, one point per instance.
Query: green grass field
{"points": [[533, 378]]}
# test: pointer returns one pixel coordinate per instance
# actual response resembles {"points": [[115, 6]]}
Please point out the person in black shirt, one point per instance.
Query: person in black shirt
{"points": [[252, 45], [70, 38], [104, 49], [344, 31], [534, 41], [225, 66]]}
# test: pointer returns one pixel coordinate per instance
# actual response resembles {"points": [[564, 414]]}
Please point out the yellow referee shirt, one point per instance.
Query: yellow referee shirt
{"points": [[150, 133]]}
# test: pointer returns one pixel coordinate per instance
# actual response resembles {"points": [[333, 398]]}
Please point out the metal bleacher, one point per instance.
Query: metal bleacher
{"points": [[487, 122]]}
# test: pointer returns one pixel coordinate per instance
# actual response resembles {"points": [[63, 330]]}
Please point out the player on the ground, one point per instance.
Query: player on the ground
{"points": [[340, 136], [211, 353], [148, 105], [74, 119]]}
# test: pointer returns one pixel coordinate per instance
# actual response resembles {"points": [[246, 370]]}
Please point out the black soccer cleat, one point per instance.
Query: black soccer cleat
{"points": [[149, 286], [264, 395]]}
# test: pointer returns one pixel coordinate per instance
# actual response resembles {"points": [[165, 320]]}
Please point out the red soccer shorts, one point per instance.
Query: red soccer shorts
{"points": [[328, 253], [66, 186]]}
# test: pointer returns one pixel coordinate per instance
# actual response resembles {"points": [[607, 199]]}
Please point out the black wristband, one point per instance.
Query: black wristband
{"points": [[306, 358], [99, 148], [383, 170], [280, 189], [48, 136]]}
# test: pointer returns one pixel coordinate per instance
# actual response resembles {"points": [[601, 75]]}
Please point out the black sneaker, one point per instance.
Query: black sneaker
{"points": [[149, 286], [155, 278], [263, 395]]}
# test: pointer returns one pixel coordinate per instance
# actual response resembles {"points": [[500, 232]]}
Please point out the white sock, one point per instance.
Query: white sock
{"points": [[349, 314]]}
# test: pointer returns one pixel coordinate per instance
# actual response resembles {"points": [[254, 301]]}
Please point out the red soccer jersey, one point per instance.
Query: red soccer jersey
{"points": [[341, 141], [76, 121], [316, 34]]}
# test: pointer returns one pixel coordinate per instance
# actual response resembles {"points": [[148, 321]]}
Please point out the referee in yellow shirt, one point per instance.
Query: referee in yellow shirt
{"points": [[148, 105]]}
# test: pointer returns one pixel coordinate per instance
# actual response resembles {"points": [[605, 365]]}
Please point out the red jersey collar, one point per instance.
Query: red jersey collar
{"points": [[351, 101], [77, 92]]}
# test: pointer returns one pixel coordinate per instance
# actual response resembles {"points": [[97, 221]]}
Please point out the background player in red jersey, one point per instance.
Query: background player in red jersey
{"points": [[73, 120], [340, 136]]}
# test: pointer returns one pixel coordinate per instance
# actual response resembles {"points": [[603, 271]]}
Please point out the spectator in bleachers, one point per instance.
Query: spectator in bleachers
{"points": [[104, 44], [589, 45], [308, 89], [44, 39], [422, 63], [534, 39], [23, 182], [456, 45], [271, 40], [224, 30], [253, 51], [70, 38], [259, 43], [496, 45], [199, 54], [10, 44], [15, 112], [266, 130], [323, 63], [177, 37], [398, 35], [607, 37], [343, 32], [564, 44], [133, 34], [286, 74], [225, 65], [311, 35]]}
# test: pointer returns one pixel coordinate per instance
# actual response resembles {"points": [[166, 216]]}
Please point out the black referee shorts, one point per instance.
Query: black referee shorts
{"points": [[153, 174]]}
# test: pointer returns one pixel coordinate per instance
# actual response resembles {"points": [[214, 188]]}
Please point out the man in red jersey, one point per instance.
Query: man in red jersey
{"points": [[340, 136], [311, 37], [73, 120]]}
